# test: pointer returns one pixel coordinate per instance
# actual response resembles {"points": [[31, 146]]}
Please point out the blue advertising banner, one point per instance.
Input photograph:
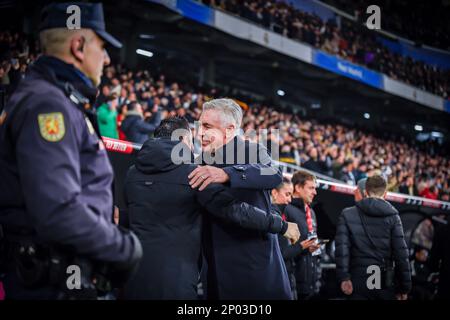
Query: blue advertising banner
{"points": [[190, 9], [196, 11], [447, 106], [348, 69], [442, 60]]}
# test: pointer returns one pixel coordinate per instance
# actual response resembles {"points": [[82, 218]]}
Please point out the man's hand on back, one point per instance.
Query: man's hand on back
{"points": [[204, 175]]}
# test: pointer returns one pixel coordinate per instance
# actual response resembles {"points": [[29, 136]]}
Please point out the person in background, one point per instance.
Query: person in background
{"points": [[360, 190], [347, 173], [440, 259], [371, 234], [408, 187], [107, 118], [422, 289], [122, 111], [300, 212], [430, 193], [313, 163], [282, 196], [135, 128]]}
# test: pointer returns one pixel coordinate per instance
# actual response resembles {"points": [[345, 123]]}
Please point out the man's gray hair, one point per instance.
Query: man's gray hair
{"points": [[230, 111]]}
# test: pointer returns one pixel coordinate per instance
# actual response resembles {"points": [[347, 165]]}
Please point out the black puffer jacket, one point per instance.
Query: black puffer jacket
{"points": [[354, 252]]}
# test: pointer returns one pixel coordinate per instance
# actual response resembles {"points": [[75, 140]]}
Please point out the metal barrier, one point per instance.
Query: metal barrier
{"points": [[324, 182]]}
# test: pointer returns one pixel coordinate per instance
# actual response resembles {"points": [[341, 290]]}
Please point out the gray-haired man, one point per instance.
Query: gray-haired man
{"points": [[241, 264]]}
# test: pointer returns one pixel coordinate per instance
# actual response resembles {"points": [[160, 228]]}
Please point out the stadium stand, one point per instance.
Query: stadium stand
{"points": [[351, 41]]}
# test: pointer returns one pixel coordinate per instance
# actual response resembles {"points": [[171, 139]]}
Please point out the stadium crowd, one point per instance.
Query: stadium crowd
{"points": [[350, 41], [412, 20], [131, 104]]}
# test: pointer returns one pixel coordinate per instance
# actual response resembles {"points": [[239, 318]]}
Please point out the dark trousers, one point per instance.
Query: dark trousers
{"points": [[14, 290], [293, 284], [362, 292]]}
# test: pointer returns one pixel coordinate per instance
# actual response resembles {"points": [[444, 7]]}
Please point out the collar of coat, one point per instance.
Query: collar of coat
{"points": [[298, 203], [134, 113], [58, 70]]}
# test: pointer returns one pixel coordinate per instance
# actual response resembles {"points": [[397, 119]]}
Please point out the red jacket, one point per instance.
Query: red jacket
{"points": [[426, 193]]}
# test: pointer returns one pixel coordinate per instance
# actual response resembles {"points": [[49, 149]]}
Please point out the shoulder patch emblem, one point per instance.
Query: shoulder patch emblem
{"points": [[51, 126]]}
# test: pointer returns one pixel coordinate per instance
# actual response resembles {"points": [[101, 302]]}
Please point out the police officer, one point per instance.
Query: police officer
{"points": [[56, 199]]}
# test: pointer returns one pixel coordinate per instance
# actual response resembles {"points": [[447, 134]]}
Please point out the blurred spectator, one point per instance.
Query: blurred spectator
{"points": [[347, 173], [300, 212], [417, 21], [287, 155], [409, 166], [313, 163], [281, 197], [422, 288], [407, 187], [371, 233], [440, 258], [360, 190], [120, 117], [107, 118], [349, 41], [430, 193], [135, 128]]}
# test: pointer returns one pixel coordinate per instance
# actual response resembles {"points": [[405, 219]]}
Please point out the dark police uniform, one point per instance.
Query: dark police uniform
{"points": [[56, 179]]}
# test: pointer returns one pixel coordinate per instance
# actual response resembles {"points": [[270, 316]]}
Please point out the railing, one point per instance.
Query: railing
{"points": [[288, 168], [324, 182]]}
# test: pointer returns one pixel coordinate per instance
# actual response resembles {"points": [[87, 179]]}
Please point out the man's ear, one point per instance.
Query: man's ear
{"points": [[384, 195], [273, 192], [230, 130], [77, 44]]}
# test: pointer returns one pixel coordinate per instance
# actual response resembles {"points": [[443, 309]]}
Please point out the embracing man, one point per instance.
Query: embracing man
{"points": [[241, 264]]}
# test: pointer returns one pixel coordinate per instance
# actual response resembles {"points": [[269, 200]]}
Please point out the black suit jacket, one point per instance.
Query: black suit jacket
{"points": [[245, 264]]}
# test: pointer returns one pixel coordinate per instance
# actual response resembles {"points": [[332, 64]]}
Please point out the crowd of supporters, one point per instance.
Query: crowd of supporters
{"points": [[131, 103], [350, 41], [418, 21]]}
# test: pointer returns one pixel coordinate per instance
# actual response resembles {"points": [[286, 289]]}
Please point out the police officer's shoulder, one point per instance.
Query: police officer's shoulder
{"points": [[40, 104], [41, 94]]}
